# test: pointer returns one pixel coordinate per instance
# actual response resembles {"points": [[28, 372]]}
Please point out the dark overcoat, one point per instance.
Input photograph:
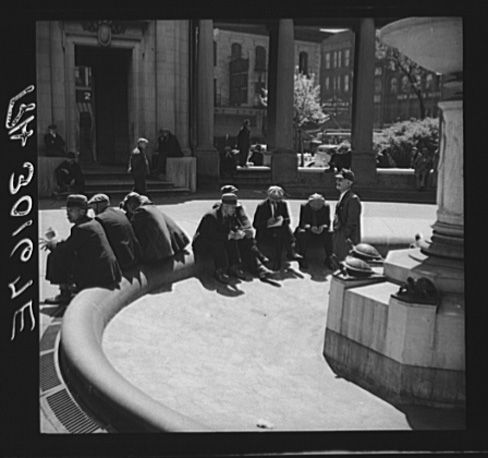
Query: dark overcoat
{"points": [[347, 224], [121, 236], [159, 236], [93, 260], [263, 213]]}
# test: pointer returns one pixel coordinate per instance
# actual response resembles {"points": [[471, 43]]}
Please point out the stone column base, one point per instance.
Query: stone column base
{"points": [[364, 167], [284, 166], [208, 165]]}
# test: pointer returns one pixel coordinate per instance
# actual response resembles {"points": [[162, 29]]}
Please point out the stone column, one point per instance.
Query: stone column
{"points": [[284, 163], [448, 230], [363, 158], [207, 155]]}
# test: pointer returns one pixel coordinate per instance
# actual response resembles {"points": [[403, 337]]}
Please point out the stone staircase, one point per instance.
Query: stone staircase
{"points": [[116, 182]]}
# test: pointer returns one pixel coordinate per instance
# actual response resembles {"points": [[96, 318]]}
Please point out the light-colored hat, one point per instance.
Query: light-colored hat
{"points": [[316, 198], [98, 198], [275, 191], [229, 198], [142, 140]]}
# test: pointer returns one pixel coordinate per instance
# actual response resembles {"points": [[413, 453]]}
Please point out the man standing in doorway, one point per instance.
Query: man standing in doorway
{"points": [[347, 224], [244, 143]]}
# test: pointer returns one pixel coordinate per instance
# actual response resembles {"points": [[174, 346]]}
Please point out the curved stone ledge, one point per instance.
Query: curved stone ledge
{"points": [[87, 371]]}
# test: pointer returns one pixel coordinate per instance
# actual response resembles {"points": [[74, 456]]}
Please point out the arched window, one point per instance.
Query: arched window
{"points": [[260, 64], [429, 82], [405, 84], [303, 63], [394, 85], [235, 51]]}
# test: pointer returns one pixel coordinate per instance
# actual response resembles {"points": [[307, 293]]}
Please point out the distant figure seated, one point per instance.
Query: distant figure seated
{"points": [[314, 225], [168, 146], [228, 162], [69, 176], [257, 155], [54, 142], [272, 224], [158, 235], [217, 238], [119, 230]]}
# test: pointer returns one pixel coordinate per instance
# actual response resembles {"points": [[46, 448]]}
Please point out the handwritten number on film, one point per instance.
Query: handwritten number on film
{"points": [[18, 130]]}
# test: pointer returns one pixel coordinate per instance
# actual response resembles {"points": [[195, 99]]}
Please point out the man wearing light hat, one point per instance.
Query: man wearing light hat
{"points": [[217, 235], [139, 166], [347, 220], [272, 224], [85, 259], [119, 231], [314, 224]]}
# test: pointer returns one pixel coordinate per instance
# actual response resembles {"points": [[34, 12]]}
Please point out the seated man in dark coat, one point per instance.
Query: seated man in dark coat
{"points": [[168, 146], [159, 236], [85, 258], [119, 231], [272, 224], [251, 256], [314, 224], [69, 175], [54, 142], [216, 237]]}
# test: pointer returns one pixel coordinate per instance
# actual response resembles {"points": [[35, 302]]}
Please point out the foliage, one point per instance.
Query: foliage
{"points": [[401, 137], [397, 61]]}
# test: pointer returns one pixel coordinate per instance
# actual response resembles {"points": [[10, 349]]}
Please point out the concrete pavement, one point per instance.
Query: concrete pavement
{"points": [[248, 357]]}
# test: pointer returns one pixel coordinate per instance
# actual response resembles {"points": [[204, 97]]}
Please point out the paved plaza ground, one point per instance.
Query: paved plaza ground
{"points": [[248, 356]]}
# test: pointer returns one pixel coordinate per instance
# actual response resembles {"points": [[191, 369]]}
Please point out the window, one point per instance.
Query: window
{"points": [[394, 85], [215, 53], [236, 51], [405, 84], [327, 83], [327, 60], [339, 83], [377, 85], [346, 83], [347, 58], [334, 62], [429, 82], [303, 63], [260, 63], [339, 59]]}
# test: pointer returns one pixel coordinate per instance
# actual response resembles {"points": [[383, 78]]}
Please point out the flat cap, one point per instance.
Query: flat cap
{"points": [[97, 198]]}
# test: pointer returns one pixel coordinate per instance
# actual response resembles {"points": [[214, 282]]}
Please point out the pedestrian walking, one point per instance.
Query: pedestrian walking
{"points": [[139, 166], [244, 142]]}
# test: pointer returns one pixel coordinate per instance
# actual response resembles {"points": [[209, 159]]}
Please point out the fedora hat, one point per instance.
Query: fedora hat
{"points": [[76, 200]]}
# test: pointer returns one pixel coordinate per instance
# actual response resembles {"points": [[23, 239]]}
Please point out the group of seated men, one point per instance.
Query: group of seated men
{"points": [[99, 249]]}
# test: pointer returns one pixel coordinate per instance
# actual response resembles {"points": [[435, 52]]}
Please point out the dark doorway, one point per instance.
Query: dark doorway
{"points": [[109, 70]]}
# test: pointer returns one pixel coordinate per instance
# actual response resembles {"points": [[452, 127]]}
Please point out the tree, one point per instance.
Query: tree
{"points": [[395, 61], [307, 110]]}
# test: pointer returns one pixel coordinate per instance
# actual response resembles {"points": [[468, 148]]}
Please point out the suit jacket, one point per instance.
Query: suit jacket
{"points": [[307, 215], [213, 227], [264, 212], [159, 236], [121, 236], [54, 145], [94, 262], [347, 217], [240, 219], [138, 163]]}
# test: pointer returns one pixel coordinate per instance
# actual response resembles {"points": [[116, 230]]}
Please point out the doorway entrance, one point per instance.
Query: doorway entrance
{"points": [[104, 125]]}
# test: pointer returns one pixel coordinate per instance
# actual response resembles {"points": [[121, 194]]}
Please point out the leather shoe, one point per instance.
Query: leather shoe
{"points": [[264, 272], [236, 272], [222, 277]]}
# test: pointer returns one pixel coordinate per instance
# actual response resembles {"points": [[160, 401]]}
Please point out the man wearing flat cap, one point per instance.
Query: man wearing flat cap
{"points": [[69, 175], [139, 166], [252, 258], [85, 259], [158, 235], [119, 231], [347, 220], [272, 224], [54, 142], [217, 236], [314, 224]]}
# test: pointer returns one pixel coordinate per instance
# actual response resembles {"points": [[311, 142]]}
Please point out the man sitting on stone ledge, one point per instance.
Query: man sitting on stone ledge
{"points": [[272, 224], [119, 231], [69, 176], [85, 259], [158, 235], [314, 224], [216, 236]]}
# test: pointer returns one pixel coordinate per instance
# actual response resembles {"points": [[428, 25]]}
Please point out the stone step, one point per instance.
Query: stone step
{"points": [[127, 183]]}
